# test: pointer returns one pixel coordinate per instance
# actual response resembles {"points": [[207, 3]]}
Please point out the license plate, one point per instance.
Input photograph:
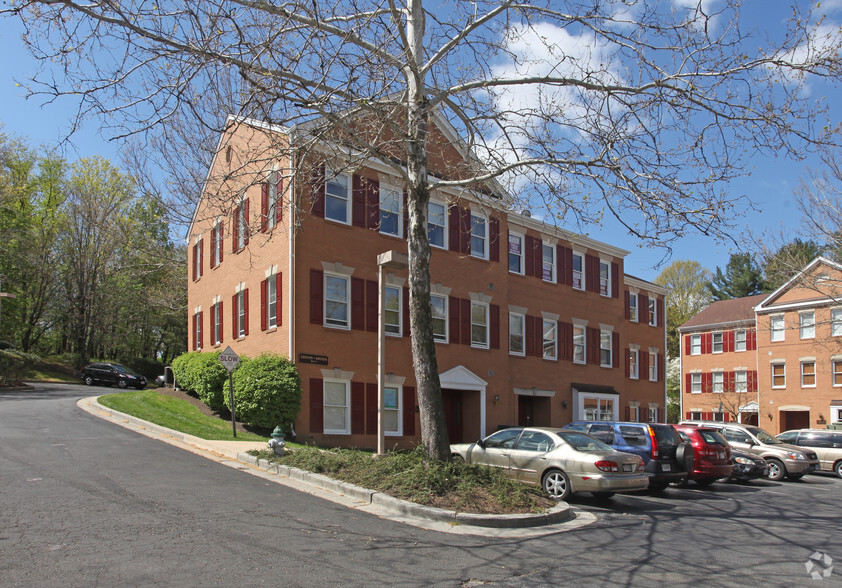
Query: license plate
{"points": [[666, 467], [721, 455], [627, 467]]}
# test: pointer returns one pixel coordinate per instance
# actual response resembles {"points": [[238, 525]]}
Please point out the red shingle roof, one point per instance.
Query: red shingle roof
{"points": [[726, 311]]}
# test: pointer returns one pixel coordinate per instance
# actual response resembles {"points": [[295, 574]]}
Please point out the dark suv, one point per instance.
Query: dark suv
{"points": [[110, 374], [667, 458]]}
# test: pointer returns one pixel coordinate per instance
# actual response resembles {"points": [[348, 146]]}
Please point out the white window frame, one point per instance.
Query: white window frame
{"points": [[772, 367], [397, 194], [807, 324], [836, 414], [777, 328], [695, 383], [197, 329], [347, 406], [804, 363], [274, 197], [603, 414], [522, 318], [220, 243], [835, 322], [440, 338], [338, 179], [741, 382], [443, 226], [836, 370], [580, 273], [634, 311], [393, 329], [478, 219], [521, 239], [551, 342], [271, 302], [198, 247], [606, 335], [718, 382], [696, 344], [653, 414], [653, 312], [634, 414], [398, 410], [634, 364], [696, 415], [548, 248], [241, 315], [740, 340], [242, 225], [581, 357], [653, 366], [717, 341], [605, 282], [485, 325], [337, 325], [217, 324]]}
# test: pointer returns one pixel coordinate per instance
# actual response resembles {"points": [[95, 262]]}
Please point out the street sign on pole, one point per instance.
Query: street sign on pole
{"points": [[229, 359]]}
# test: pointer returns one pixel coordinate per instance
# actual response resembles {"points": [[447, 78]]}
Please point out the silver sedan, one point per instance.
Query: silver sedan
{"points": [[562, 461]]}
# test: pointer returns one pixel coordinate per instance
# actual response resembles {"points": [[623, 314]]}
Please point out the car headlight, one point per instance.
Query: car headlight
{"points": [[744, 460], [796, 456]]}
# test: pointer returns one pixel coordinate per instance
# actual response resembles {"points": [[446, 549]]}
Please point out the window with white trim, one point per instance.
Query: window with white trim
{"points": [[271, 302], [717, 342], [740, 339], [634, 414], [653, 312], [836, 414], [579, 355], [598, 408], [242, 225], [696, 415], [437, 224], [516, 333], [836, 322], [604, 278], [479, 324], [653, 366], [479, 236], [438, 305], [653, 414], [392, 310], [837, 372], [808, 374], [391, 215], [337, 301], [337, 407], [633, 310], [695, 344], [741, 382], [718, 417], [392, 421], [218, 243], [516, 253], [549, 337], [779, 375], [241, 314], [337, 198], [274, 199], [547, 262], [807, 324], [718, 382], [216, 315], [634, 364], [605, 351], [777, 326], [197, 330], [197, 259], [695, 383], [578, 271]]}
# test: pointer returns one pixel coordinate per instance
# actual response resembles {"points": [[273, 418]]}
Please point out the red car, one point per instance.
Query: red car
{"points": [[711, 452]]}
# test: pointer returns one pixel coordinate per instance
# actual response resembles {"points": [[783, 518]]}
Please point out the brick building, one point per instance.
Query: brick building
{"points": [[533, 324], [771, 359]]}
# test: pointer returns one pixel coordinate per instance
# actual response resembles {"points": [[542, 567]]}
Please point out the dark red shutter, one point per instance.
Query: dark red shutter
{"points": [[538, 256], [213, 248], [615, 349], [707, 383], [688, 383], [454, 307], [371, 409], [589, 273], [687, 415], [405, 311], [561, 261], [727, 417], [357, 408], [454, 234], [751, 340], [279, 297], [371, 306], [662, 360], [615, 280], [530, 336], [627, 362], [247, 217], [193, 333], [530, 258], [372, 204], [659, 306], [707, 343], [317, 416], [319, 191], [593, 345], [465, 327], [627, 414], [263, 302], [539, 336], [195, 255], [627, 304], [264, 207], [409, 411], [235, 228], [644, 365], [465, 230], [358, 201], [643, 309], [494, 311], [357, 304], [201, 322], [235, 331], [279, 204], [494, 239], [687, 349], [569, 277], [662, 415], [317, 284], [246, 311]]}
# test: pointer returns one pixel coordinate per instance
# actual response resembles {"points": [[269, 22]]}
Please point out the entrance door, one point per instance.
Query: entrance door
{"points": [[795, 419], [452, 400], [525, 411], [749, 418]]}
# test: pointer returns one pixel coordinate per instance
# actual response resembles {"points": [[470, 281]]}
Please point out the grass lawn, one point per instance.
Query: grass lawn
{"points": [[45, 373], [176, 414]]}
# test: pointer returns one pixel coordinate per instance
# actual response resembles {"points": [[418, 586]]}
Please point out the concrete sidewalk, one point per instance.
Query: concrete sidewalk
{"points": [[234, 454]]}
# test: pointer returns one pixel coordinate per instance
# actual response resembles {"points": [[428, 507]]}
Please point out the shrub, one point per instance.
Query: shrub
{"points": [[14, 364], [151, 368], [267, 391], [203, 374]]}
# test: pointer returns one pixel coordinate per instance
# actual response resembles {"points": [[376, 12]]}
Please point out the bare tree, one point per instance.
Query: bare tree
{"points": [[641, 111]]}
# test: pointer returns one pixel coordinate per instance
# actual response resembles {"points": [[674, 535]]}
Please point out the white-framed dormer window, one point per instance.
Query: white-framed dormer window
{"points": [[633, 309], [517, 323], [337, 407], [777, 327], [634, 363], [391, 215], [550, 342], [338, 198], [836, 322], [479, 325], [807, 324], [695, 344], [548, 264], [653, 365], [479, 236], [718, 382], [337, 310], [605, 350], [718, 339], [516, 253], [392, 310], [438, 305], [779, 375], [740, 382], [808, 373], [437, 224], [392, 400], [695, 383], [579, 342], [653, 312], [740, 339], [578, 270], [604, 278]]}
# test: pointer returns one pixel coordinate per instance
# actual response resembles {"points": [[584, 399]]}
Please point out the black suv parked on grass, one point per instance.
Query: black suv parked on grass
{"points": [[110, 374]]}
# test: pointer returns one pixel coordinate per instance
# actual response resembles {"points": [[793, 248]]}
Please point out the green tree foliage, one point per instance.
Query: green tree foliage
{"points": [[674, 390], [787, 261], [688, 283], [742, 277], [267, 391]]}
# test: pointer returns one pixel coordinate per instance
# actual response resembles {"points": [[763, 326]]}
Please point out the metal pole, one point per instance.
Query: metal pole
{"points": [[233, 409], [381, 360]]}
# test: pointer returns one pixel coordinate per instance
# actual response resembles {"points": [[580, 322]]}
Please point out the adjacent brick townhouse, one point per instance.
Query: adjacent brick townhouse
{"points": [[533, 324], [774, 360]]}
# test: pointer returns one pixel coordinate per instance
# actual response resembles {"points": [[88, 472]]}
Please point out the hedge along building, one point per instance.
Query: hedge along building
{"points": [[533, 324], [774, 360]]}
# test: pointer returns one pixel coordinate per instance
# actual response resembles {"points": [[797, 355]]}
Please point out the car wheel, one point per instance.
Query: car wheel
{"points": [[139, 387], [837, 467], [603, 495], [122, 384], [556, 484], [777, 471], [705, 482], [89, 381]]}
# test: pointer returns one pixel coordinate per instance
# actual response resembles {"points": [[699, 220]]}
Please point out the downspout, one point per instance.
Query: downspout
{"points": [[666, 364], [291, 185]]}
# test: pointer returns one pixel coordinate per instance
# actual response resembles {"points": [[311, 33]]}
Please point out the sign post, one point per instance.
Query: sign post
{"points": [[230, 360]]}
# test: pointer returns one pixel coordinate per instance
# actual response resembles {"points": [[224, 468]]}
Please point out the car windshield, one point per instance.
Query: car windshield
{"points": [[123, 369], [582, 442], [763, 436], [666, 435]]}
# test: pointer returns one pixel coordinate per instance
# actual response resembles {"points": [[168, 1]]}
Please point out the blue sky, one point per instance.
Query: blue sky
{"points": [[770, 186]]}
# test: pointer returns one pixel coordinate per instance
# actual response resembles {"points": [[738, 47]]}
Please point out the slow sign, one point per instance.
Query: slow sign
{"points": [[229, 359]]}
